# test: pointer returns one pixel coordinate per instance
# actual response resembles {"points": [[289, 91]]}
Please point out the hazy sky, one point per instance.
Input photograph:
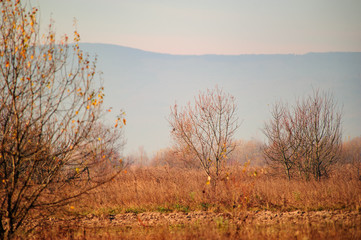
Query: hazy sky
{"points": [[212, 26]]}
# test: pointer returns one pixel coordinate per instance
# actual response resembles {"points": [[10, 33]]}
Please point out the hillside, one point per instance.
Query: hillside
{"points": [[146, 84]]}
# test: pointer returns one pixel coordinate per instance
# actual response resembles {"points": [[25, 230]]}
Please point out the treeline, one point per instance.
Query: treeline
{"points": [[249, 153]]}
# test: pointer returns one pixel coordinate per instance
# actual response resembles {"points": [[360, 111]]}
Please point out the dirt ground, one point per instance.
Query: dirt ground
{"points": [[256, 217], [259, 224]]}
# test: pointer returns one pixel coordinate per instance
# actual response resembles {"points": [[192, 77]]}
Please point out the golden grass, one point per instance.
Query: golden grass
{"points": [[247, 192], [152, 189]]}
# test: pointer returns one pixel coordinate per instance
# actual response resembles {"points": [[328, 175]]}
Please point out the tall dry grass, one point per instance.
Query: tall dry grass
{"points": [[170, 189], [246, 192]]}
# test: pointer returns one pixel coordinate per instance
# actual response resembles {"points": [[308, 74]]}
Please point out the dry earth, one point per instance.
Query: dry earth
{"points": [[257, 217], [335, 224], [151, 219]]}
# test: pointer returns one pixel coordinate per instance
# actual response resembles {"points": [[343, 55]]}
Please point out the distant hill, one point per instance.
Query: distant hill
{"points": [[146, 84]]}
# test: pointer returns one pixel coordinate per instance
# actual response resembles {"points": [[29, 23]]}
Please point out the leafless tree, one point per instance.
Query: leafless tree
{"points": [[283, 135], [49, 105], [306, 138], [206, 129], [322, 135]]}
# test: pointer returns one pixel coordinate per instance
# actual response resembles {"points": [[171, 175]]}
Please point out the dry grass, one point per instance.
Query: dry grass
{"points": [[151, 189], [248, 191]]}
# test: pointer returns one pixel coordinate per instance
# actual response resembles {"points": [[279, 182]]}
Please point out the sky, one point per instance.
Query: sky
{"points": [[198, 27], [211, 26]]}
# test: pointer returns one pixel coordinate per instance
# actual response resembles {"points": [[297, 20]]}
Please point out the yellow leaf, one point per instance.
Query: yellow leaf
{"points": [[99, 139], [77, 170]]}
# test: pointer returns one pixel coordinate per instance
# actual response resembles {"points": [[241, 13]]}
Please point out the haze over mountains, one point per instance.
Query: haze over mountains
{"points": [[146, 84]]}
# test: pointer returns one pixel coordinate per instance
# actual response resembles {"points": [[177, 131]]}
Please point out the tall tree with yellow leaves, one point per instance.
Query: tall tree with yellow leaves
{"points": [[49, 104]]}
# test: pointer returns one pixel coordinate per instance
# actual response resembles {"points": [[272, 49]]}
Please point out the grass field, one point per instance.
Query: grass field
{"points": [[169, 203]]}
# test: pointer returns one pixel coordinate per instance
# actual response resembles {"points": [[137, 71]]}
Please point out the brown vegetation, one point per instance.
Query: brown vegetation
{"points": [[245, 188], [162, 202]]}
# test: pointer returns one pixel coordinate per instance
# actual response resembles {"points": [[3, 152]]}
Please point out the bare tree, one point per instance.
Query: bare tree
{"points": [[306, 138], [206, 129], [49, 104], [283, 135], [322, 135]]}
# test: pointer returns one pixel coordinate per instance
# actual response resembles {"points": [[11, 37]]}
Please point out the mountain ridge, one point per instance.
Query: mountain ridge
{"points": [[212, 54], [146, 84]]}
